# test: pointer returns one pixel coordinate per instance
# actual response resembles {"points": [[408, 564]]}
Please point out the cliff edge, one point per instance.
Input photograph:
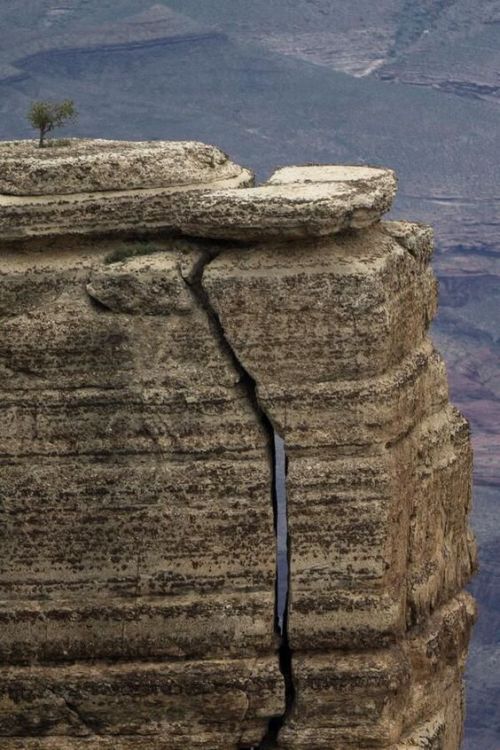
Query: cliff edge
{"points": [[162, 322]]}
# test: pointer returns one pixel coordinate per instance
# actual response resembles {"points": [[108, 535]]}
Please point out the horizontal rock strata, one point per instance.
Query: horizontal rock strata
{"points": [[136, 507], [142, 378], [98, 165], [223, 699], [306, 202], [334, 333], [179, 187], [371, 698]]}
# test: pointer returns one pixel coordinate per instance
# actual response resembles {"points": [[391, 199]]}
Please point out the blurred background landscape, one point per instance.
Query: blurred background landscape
{"points": [[410, 85]]}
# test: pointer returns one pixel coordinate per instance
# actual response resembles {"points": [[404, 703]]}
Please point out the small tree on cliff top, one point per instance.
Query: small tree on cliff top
{"points": [[45, 116]]}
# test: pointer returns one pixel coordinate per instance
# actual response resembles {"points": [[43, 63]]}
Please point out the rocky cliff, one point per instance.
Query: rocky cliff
{"points": [[162, 322]]}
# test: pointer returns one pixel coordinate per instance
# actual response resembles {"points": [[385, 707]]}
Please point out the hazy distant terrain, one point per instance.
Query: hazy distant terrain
{"points": [[270, 82], [414, 86]]}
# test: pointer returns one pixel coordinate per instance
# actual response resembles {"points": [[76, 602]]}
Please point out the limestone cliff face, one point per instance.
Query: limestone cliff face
{"points": [[160, 320]]}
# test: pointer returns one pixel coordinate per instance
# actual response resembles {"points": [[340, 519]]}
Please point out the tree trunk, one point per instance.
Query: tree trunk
{"points": [[42, 137]]}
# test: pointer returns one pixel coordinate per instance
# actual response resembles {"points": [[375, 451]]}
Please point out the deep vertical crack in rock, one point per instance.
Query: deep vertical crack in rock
{"points": [[283, 550], [279, 461]]}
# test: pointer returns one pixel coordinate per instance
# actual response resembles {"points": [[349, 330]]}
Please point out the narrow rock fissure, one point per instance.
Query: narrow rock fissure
{"points": [[279, 496], [283, 549]]}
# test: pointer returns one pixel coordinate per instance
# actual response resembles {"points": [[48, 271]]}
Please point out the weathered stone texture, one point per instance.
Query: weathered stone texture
{"points": [[141, 380], [304, 202], [379, 466], [136, 507], [180, 187], [99, 165], [224, 700], [372, 698], [354, 304]]}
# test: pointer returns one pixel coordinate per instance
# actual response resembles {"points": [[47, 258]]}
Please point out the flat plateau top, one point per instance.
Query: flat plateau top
{"points": [[308, 201], [80, 166], [327, 173], [93, 186]]}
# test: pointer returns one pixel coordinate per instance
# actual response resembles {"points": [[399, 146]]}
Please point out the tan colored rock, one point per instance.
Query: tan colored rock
{"points": [[222, 701], [441, 548], [85, 166], [418, 239], [96, 187], [374, 698], [135, 505], [428, 736], [183, 186], [362, 287], [334, 333], [152, 286], [296, 202], [141, 381], [119, 212]]}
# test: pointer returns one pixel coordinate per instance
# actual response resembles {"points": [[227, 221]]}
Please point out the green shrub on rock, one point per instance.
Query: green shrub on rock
{"points": [[45, 116]]}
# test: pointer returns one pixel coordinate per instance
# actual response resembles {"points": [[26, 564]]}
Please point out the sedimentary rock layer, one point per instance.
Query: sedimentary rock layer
{"points": [[333, 332], [305, 202], [136, 505], [142, 379], [372, 698], [98, 165], [186, 187], [222, 700]]}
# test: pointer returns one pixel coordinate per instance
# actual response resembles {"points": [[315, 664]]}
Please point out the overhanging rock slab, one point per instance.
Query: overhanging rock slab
{"points": [[98, 187]]}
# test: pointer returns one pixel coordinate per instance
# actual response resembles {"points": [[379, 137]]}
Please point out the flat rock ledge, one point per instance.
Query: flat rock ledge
{"points": [[84, 166], [95, 187], [296, 202]]}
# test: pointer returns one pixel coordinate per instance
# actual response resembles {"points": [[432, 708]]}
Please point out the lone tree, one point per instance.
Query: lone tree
{"points": [[45, 116]]}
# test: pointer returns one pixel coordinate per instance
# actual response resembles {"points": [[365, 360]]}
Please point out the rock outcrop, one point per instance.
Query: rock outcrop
{"points": [[153, 341]]}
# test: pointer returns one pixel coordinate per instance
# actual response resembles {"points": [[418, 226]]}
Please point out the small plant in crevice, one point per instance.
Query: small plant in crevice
{"points": [[132, 250]]}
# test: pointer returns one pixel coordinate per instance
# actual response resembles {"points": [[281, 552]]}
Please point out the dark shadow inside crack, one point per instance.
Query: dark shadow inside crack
{"points": [[279, 498]]}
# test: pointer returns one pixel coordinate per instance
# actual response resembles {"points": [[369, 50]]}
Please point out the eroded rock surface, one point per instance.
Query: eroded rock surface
{"points": [[334, 333], [99, 165], [180, 187], [137, 518], [142, 380], [295, 202]]}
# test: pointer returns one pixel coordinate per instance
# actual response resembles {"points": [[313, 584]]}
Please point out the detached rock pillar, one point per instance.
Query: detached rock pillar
{"points": [[160, 318], [333, 330]]}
